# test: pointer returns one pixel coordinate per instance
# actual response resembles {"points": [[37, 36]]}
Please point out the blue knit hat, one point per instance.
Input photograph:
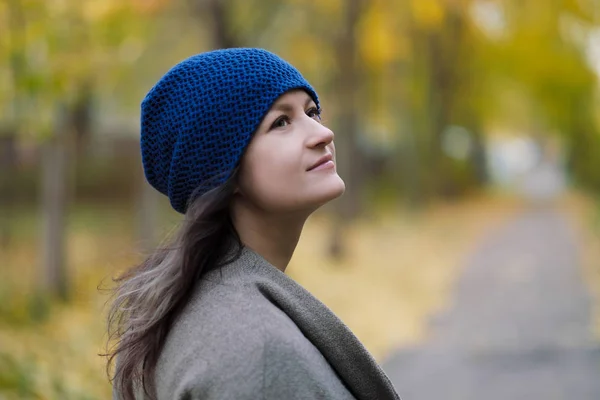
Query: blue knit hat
{"points": [[198, 119]]}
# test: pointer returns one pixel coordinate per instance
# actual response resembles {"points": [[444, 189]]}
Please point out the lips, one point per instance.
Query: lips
{"points": [[326, 158]]}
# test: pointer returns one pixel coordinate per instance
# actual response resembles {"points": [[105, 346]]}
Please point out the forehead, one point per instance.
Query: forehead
{"points": [[294, 96]]}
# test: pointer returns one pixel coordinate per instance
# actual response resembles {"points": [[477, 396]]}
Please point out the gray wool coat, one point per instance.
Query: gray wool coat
{"points": [[251, 332]]}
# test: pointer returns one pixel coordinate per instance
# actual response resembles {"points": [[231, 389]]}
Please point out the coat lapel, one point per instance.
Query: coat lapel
{"points": [[346, 354]]}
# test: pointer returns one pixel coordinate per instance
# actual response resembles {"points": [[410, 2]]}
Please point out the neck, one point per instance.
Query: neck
{"points": [[273, 236]]}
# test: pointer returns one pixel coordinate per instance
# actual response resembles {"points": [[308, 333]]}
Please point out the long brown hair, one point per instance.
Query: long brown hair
{"points": [[149, 296]]}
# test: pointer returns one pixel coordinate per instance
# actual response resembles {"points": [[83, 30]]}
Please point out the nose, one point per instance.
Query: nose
{"points": [[320, 135]]}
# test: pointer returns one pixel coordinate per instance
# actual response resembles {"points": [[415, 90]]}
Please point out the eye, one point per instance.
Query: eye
{"points": [[280, 122], [315, 113]]}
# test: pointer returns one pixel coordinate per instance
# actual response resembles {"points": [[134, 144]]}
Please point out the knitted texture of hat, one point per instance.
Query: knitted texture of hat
{"points": [[198, 119]]}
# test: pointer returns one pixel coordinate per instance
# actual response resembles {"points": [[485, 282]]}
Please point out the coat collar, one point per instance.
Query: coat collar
{"points": [[345, 353]]}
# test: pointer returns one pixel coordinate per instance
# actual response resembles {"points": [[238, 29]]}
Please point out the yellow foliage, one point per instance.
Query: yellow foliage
{"points": [[385, 290], [324, 7], [377, 41], [428, 14], [305, 53], [97, 10], [149, 6]]}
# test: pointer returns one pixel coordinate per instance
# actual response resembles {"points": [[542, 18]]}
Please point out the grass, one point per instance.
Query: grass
{"points": [[53, 354], [399, 268], [398, 271]]}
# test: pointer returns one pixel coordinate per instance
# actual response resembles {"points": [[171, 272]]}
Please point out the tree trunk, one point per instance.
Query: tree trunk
{"points": [[223, 34], [13, 114], [347, 156], [81, 116], [443, 50], [223, 37], [439, 102], [80, 132], [54, 279], [8, 160], [479, 157]]}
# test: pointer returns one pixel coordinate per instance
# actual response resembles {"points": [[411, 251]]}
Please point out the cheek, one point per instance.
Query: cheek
{"points": [[271, 179]]}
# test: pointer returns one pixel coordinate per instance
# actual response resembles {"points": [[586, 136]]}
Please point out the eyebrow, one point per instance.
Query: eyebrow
{"points": [[286, 107]]}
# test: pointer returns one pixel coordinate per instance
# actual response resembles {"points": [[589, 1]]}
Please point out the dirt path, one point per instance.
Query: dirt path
{"points": [[519, 326]]}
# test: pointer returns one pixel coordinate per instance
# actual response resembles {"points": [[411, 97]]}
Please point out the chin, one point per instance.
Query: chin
{"points": [[334, 189], [308, 199], [339, 189]]}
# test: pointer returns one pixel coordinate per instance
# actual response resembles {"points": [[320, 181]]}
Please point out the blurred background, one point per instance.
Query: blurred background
{"points": [[468, 134]]}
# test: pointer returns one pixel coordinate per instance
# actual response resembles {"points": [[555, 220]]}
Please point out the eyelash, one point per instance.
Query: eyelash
{"points": [[315, 110]]}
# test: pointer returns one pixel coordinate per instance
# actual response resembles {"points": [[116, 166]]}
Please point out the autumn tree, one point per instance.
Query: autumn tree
{"points": [[58, 54]]}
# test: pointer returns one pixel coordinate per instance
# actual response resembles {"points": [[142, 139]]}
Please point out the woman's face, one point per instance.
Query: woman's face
{"points": [[289, 164]]}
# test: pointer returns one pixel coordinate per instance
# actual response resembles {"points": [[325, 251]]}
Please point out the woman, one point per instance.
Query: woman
{"points": [[234, 139]]}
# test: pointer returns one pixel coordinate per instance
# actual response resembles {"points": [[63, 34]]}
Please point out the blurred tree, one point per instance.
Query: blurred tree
{"points": [[57, 54], [445, 48], [347, 86], [401, 81], [235, 23], [218, 14], [8, 161], [544, 50], [9, 17]]}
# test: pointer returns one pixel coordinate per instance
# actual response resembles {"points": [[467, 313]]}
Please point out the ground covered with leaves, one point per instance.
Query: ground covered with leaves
{"points": [[398, 270]]}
